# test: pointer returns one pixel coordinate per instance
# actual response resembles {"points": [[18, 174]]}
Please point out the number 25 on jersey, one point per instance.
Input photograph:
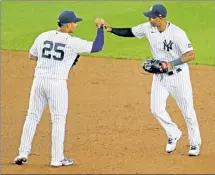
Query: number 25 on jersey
{"points": [[49, 46]]}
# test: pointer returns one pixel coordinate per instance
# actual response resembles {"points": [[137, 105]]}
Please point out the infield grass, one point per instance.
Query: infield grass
{"points": [[23, 21]]}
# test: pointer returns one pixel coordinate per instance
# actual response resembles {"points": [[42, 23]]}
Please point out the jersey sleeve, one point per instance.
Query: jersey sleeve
{"points": [[183, 43], [141, 30], [34, 48], [81, 46]]}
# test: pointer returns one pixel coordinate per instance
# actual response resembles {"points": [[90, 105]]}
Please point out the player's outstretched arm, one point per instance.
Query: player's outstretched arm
{"points": [[99, 40], [123, 32], [84, 46]]}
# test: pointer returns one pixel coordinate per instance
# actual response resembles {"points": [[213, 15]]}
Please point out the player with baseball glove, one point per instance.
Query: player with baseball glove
{"points": [[171, 50]]}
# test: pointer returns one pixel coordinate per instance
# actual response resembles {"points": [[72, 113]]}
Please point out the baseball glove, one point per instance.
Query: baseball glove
{"points": [[155, 66]]}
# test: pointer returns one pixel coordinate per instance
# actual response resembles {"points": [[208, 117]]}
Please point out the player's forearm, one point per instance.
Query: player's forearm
{"points": [[124, 32], [189, 56], [99, 41]]}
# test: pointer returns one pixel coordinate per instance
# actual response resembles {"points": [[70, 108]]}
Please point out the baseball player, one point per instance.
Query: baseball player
{"points": [[56, 52], [172, 49]]}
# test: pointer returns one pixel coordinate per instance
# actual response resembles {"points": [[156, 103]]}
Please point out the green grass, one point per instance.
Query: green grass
{"points": [[23, 21]]}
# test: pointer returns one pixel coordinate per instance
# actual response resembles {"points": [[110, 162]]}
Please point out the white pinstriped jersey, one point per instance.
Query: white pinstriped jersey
{"points": [[56, 52], [166, 46]]}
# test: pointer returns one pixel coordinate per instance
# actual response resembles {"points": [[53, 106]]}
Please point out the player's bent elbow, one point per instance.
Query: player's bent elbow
{"points": [[31, 57], [100, 49], [193, 56], [97, 49], [190, 55]]}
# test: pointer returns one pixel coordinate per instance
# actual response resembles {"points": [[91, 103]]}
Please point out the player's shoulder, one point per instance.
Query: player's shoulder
{"points": [[76, 40], [54, 32], [176, 30], [45, 34], [144, 25]]}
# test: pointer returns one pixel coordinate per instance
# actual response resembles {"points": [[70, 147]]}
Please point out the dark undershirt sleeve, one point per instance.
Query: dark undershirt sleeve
{"points": [[124, 32]]}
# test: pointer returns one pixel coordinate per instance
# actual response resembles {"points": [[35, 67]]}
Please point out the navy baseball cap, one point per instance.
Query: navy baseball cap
{"points": [[156, 10], [68, 17]]}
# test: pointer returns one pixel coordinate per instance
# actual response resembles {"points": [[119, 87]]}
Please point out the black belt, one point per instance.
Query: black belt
{"points": [[173, 72]]}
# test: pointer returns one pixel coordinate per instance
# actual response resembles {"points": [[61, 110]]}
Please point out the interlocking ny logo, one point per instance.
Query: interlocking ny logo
{"points": [[167, 46]]}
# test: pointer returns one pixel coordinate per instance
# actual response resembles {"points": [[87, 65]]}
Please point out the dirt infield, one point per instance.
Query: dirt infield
{"points": [[110, 128]]}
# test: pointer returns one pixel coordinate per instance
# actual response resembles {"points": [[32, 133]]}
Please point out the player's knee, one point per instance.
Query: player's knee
{"points": [[191, 119], [156, 111], [59, 119], [188, 112], [34, 117]]}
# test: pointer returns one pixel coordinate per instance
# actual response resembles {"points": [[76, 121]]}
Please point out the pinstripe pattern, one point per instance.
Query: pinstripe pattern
{"points": [[36, 106], [159, 95], [178, 85], [51, 68], [50, 87]]}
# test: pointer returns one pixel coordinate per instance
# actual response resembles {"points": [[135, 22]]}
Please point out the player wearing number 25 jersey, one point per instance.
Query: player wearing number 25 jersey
{"points": [[56, 52]]}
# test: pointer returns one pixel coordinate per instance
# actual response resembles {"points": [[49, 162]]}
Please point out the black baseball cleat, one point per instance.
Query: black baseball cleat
{"points": [[19, 160]]}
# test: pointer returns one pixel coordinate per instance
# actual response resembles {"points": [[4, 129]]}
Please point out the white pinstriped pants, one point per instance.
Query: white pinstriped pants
{"points": [[55, 93], [179, 86]]}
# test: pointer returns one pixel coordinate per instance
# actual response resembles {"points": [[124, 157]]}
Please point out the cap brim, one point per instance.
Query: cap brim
{"points": [[78, 19], [149, 14]]}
